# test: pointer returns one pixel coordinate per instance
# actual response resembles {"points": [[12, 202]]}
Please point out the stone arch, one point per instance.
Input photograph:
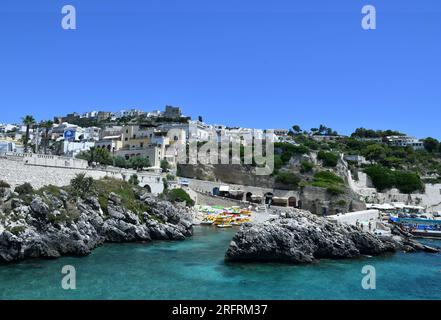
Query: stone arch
{"points": [[148, 188], [292, 202], [268, 197]]}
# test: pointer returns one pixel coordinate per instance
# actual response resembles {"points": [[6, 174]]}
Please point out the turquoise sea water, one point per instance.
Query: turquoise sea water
{"points": [[195, 269]]}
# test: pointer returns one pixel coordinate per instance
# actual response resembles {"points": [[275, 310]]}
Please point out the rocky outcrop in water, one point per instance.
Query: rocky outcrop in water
{"points": [[49, 226], [300, 237]]}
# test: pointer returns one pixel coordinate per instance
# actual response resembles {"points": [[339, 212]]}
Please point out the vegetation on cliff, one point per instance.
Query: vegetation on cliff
{"points": [[330, 181], [179, 195], [384, 178]]}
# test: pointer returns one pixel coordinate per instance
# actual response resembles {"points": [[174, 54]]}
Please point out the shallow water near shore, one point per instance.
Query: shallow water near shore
{"points": [[195, 269]]}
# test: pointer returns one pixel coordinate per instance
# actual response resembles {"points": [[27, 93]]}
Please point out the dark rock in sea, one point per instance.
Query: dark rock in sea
{"points": [[51, 226], [301, 237]]}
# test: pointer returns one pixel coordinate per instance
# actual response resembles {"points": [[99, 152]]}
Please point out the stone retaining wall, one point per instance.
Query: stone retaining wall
{"points": [[16, 172]]}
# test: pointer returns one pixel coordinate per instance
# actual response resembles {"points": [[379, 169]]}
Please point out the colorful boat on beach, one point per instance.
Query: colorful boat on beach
{"points": [[425, 228]]}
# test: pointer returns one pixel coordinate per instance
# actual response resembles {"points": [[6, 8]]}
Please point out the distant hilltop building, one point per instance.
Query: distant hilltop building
{"points": [[91, 114], [128, 113], [168, 130], [172, 112], [70, 117], [102, 116], [405, 141], [397, 141]]}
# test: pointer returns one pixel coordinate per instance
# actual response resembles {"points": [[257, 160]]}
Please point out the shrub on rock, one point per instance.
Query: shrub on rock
{"points": [[24, 189]]}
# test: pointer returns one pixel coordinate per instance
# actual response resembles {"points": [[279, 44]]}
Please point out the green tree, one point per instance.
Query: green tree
{"points": [[296, 128], [278, 163], [431, 144], [46, 125], [382, 178], [374, 152], [180, 195], [120, 162], [81, 185], [28, 121], [408, 182], [306, 167], [139, 163], [329, 159], [97, 155], [165, 165], [25, 188]]}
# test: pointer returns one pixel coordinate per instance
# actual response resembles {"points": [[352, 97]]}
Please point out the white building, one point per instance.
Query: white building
{"points": [[355, 158], [154, 114], [4, 128], [128, 113], [91, 114], [74, 148], [91, 133], [7, 146], [405, 141], [111, 131]]}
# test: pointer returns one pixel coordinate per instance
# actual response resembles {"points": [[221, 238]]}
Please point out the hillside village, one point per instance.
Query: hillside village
{"points": [[318, 163]]}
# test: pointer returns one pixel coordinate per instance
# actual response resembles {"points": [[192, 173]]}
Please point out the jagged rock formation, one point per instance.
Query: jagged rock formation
{"points": [[51, 226], [5, 194], [300, 237]]}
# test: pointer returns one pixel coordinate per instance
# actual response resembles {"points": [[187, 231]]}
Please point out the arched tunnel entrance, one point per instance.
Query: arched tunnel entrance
{"points": [[268, 198], [292, 202]]}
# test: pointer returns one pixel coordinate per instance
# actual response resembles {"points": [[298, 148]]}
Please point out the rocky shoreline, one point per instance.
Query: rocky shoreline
{"points": [[50, 226], [299, 237], [52, 223]]}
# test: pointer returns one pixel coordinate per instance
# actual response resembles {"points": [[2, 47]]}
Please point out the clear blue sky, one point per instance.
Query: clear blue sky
{"points": [[254, 63]]}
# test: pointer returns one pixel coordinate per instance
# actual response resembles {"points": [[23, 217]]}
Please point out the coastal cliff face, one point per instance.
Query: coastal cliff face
{"points": [[49, 226], [300, 237]]}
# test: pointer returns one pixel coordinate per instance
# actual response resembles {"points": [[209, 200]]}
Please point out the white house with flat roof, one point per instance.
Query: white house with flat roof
{"points": [[405, 141]]}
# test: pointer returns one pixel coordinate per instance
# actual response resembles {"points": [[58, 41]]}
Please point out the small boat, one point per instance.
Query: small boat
{"points": [[224, 225], [207, 222]]}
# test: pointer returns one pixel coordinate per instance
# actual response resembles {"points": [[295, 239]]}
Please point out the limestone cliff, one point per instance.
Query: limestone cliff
{"points": [[300, 237], [49, 226]]}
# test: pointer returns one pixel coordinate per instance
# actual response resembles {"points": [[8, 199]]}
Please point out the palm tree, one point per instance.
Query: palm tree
{"points": [[47, 125], [28, 121]]}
